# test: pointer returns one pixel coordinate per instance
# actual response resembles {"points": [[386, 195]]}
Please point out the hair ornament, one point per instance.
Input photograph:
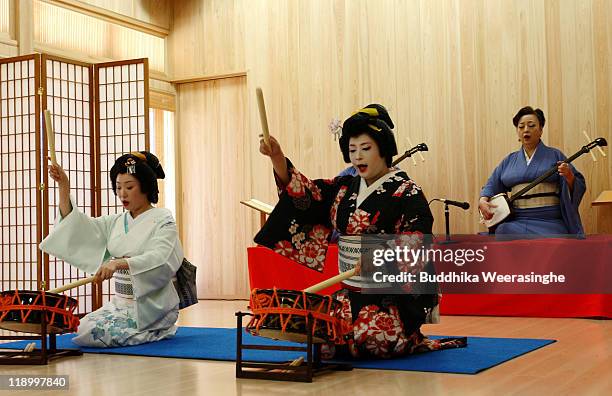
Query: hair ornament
{"points": [[131, 166], [372, 112], [335, 128], [139, 155]]}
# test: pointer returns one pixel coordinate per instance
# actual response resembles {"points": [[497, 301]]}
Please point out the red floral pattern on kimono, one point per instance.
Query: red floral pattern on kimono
{"points": [[407, 185], [334, 208], [310, 250], [358, 222], [379, 333], [299, 184]]}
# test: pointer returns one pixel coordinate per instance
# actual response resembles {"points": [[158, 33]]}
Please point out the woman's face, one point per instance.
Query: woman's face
{"points": [[365, 157], [529, 130], [128, 191]]}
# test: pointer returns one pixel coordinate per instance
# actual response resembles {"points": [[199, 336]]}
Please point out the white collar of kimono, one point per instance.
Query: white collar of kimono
{"points": [[365, 190], [130, 222], [527, 157]]}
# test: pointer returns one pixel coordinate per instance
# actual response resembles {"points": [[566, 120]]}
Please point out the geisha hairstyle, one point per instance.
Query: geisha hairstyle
{"points": [[145, 167], [374, 121], [526, 111]]}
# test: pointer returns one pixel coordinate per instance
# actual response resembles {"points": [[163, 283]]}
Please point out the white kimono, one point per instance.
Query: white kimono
{"points": [[154, 255]]}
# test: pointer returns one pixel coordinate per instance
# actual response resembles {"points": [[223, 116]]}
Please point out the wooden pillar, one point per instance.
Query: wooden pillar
{"points": [[24, 25]]}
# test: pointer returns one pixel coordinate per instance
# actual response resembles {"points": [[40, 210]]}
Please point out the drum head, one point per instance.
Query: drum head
{"points": [[34, 328], [25, 314], [27, 297]]}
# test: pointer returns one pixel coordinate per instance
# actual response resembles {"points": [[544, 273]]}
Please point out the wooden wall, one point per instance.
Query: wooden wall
{"points": [[155, 12], [452, 74], [215, 177], [207, 37], [90, 31]]}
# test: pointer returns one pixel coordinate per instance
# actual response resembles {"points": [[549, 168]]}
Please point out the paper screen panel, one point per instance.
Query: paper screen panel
{"points": [[122, 125], [68, 88], [19, 178]]}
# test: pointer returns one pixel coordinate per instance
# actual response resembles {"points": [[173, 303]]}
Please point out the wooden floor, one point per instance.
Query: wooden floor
{"points": [[580, 363]]}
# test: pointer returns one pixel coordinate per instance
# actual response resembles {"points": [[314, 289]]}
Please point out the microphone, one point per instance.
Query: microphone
{"points": [[462, 205]]}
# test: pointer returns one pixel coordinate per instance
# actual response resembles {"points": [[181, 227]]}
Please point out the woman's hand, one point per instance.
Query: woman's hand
{"points": [[58, 174], [566, 172], [486, 208], [273, 151], [358, 268], [107, 269]]}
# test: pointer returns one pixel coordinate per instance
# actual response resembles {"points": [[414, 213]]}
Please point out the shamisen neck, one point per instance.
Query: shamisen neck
{"points": [[371, 180]]}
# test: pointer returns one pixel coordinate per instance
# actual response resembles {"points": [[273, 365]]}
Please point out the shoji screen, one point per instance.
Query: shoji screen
{"points": [[122, 119], [20, 200], [67, 88], [122, 124], [98, 112]]}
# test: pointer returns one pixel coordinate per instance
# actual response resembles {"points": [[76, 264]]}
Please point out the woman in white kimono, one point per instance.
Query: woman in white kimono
{"points": [[139, 248]]}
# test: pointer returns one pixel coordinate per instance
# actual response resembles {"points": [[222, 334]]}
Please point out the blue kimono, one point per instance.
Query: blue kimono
{"points": [[559, 219], [350, 171]]}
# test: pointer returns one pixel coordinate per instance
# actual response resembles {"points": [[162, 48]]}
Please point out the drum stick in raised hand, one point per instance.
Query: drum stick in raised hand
{"points": [[50, 136], [263, 117], [72, 285], [331, 281]]}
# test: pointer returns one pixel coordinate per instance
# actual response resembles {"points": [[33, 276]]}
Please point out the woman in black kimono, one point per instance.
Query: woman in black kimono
{"points": [[377, 201]]}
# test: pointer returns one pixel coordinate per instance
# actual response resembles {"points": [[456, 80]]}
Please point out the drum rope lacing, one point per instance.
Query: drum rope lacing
{"points": [[260, 306], [10, 303]]}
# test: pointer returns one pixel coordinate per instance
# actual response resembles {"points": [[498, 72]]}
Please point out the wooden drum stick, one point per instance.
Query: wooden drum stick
{"points": [[263, 117], [331, 281], [72, 285], [50, 136]]}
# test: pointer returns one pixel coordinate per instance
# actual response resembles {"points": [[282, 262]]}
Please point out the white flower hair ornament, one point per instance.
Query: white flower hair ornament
{"points": [[335, 128]]}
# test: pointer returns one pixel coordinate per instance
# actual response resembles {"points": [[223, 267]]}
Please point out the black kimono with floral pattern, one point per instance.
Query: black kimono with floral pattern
{"points": [[300, 226]]}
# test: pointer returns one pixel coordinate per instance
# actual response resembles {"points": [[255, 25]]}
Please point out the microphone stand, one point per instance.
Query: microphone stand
{"points": [[447, 220]]}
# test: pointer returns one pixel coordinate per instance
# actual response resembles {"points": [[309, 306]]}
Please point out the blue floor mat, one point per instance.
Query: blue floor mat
{"points": [[220, 344]]}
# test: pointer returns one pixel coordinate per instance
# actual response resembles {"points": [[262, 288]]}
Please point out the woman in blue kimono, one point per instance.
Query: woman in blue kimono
{"points": [[551, 208], [379, 200], [139, 249]]}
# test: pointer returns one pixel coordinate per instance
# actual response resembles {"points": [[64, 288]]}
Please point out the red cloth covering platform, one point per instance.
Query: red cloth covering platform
{"points": [[268, 269]]}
